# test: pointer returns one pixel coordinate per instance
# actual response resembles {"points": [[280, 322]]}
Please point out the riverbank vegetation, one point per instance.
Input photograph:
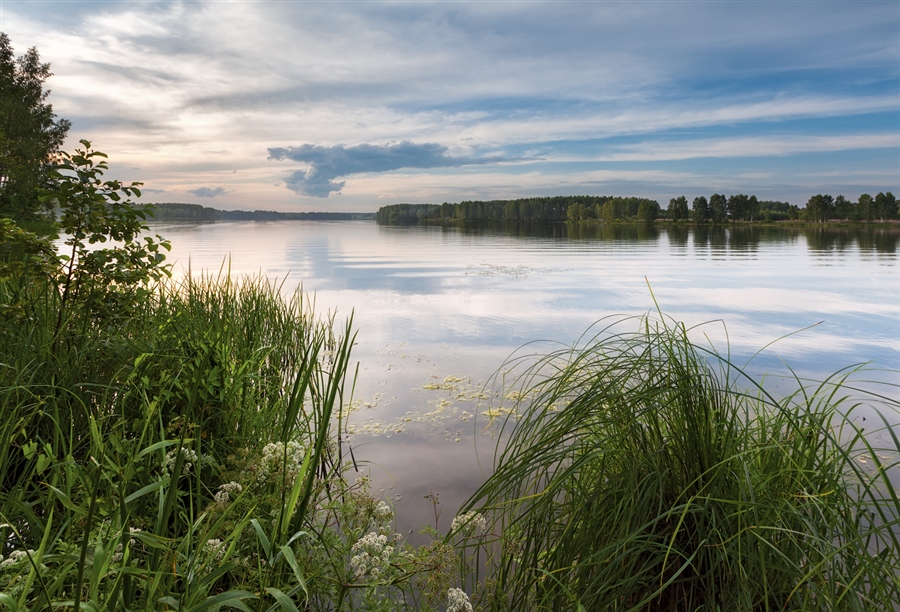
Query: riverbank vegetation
{"points": [[645, 472], [170, 211]]}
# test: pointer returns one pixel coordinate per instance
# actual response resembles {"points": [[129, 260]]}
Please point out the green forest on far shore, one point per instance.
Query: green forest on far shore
{"points": [[609, 209]]}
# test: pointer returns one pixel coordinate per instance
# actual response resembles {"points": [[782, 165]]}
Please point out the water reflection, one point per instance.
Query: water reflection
{"points": [[438, 301], [738, 238]]}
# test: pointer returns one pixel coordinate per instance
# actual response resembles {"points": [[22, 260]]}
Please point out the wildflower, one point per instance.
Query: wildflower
{"points": [[383, 512], [190, 457], [458, 601], [14, 558], [118, 554], [214, 549], [223, 495], [470, 522], [373, 556], [273, 460]]}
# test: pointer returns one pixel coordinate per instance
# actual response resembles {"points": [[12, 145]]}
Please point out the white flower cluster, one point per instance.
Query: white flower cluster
{"points": [[118, 555], [383, 513], [373, 556], [458, 601], [469, 523], [190, 458], [214, 550], [273, 458], [223, 495], [15, 558]]}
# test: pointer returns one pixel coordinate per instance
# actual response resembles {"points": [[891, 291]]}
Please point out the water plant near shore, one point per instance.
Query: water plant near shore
{"points": [[672, 480]]}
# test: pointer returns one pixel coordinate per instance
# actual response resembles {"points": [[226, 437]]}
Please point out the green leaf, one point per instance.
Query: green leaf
{"points": [[153, 486], [284, 602], [228, 598], [263, 538], [295, 567], [67, 502]]}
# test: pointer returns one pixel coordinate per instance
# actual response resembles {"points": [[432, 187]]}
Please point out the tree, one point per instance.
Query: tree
{"points": [[104, 284], [718, 208], [820, 208], [648, 210], [742, 207], [700, 212], [885, 206], [678, 208], [865, 207], [843, 208], [30, 134]]}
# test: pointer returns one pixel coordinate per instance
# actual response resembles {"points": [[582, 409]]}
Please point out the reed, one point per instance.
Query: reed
{"points": [[641, 471]]}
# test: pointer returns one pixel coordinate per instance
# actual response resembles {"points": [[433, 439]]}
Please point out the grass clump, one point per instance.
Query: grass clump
{"points": [[641, 475]]}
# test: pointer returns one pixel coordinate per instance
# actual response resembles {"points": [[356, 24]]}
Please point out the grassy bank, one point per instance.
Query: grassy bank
{"points": [[187, 458], [644, 472]]}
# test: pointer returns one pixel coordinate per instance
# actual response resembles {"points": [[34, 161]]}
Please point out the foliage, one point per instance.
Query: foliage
{"points": [[678, 209], [719, 209], [819, 208], [700, 212], [102, 283], [30, 133], [636, 473]]}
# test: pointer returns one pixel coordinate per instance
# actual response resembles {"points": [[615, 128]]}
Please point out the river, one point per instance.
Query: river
{"points": [[440, 309]]}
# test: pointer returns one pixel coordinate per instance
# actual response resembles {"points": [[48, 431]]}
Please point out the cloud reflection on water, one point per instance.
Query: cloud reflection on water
{"points": [[462, 300]]}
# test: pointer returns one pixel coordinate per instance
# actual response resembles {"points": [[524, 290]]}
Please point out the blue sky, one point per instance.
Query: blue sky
{"points": [[348, 106]]}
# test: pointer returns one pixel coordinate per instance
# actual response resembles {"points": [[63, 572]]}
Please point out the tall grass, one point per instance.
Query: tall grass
{"points": [[121, 444], [641, 474]]}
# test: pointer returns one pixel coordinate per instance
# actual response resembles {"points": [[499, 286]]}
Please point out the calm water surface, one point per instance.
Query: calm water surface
{"points": [[439, 310]]}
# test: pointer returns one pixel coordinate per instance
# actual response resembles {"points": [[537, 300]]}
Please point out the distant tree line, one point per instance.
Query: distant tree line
{"points": [[170, 211], [609, 209], [556, 208], [819, 209]]}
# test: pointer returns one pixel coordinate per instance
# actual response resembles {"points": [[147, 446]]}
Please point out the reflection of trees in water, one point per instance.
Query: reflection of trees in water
{"points": [[831, 239], [507, 228], [678, 235], [718, 239], [883, 241], [868, 239], [620, 232]]}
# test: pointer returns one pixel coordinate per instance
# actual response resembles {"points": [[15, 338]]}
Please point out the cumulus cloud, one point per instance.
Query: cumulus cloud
{"points": [[329, 163], [206, 192]]}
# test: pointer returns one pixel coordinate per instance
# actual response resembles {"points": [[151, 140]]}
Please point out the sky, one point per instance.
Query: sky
{"points": [[348, 106]]}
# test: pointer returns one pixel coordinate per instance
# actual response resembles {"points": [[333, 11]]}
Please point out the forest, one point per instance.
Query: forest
{"points": [[610, 209]]}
